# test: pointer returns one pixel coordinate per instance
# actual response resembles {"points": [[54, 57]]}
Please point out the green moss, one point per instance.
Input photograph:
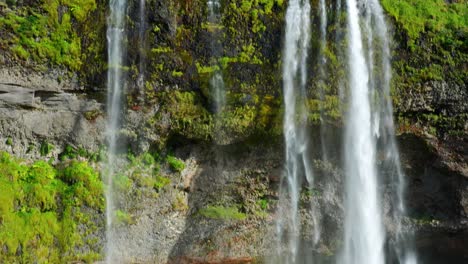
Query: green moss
{"points": [[122, 183], [175, 164], [40, 213], [328, 108], [206, 69], [417, 16], [148, 159], [180, 202], [142, 179], [188, 116], [45, 148], [92, 115], [70, 151], [263, 203], [41, 33], [122, 217], [86, 183], [177, 73], [161, 182], [220, 212], [432, 39], [161, 50]]}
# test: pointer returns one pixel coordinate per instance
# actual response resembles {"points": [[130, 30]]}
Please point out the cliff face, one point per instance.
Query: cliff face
{"points": [[52, 93]]}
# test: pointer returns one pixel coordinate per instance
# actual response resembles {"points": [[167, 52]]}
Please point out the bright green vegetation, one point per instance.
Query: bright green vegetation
{"points": [[422, 16], [246, 115], [433, 42], [44, 211], [71, 152], [142, 176], [248, 34], [123, 217], [92, 115], [436, 33], [221, 212], [188, 116], [46, 32], [161, 182], [263, 203], [45, 148], [175, 163]]}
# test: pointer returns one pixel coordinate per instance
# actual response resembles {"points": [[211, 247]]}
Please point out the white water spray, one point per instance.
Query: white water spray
{"points": [[295, 55], [115, 37]]}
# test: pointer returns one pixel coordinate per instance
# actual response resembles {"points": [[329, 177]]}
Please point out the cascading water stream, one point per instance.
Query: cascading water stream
{"points": [[364, 233], [298, 166], [217, 81], [383, 113], [115, 37], [370, 128], [322, 76], [142, 44]]}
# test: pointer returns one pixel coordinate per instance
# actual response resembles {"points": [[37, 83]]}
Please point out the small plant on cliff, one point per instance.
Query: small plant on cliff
{"points": [[161, 182], [147, 159], [221, 212], [122, 217], [45, 148], [175, 164], [92, 115]]}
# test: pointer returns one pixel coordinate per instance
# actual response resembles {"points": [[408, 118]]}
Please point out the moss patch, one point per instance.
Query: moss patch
{"points": [[220, 212], [41, 208]]}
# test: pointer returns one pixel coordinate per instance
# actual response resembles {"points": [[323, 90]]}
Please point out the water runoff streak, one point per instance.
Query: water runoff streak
{"points": [[217, 81], [142, 44], [297, 166], [322, 61], [115, 36]]}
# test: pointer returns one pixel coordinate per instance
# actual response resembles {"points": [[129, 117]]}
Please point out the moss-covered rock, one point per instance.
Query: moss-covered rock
{"points": [[430, 61], [49, 214]]}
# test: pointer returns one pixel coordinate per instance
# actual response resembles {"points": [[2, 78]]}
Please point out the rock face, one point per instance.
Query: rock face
{"points": [[37, 108], [436, 196], [176, 228]]}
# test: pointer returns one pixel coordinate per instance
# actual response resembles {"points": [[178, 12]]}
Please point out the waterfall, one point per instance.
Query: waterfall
{"points": [[370, 128], [217, 81], [115, 37], [297, 166], [385, 131], [364, 233], [142, 44], [322, 76]]}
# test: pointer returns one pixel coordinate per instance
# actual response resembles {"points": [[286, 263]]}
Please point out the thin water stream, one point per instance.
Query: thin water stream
{"points": [[142, 44], [297, 167], [217, 81], [115, 38]]}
